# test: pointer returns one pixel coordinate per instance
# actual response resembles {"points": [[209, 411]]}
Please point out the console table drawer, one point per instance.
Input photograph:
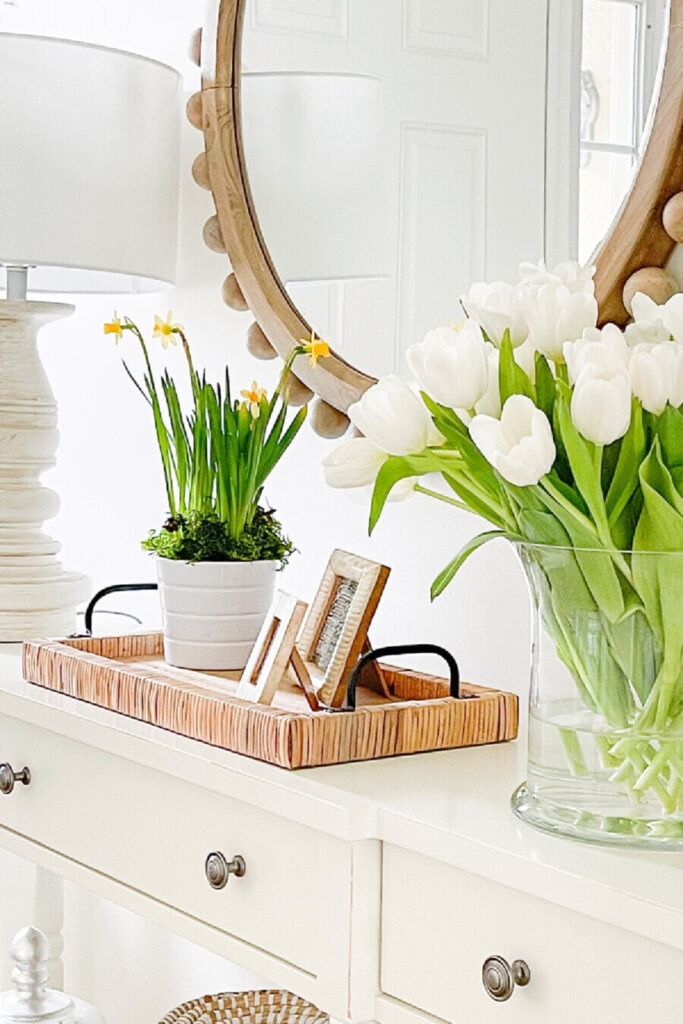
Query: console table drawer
{"points": [[439, 925], [153, 832]]}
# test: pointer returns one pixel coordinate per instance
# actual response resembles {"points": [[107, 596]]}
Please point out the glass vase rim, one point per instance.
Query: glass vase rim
{"points": [[573, 548]]}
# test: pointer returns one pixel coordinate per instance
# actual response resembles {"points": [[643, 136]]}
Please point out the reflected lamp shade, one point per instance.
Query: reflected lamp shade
{"points": [[89, 168], [313, 152]]}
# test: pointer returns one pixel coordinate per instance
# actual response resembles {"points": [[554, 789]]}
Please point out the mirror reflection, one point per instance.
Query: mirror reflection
{"points": [[620, 61], [398, 152]]}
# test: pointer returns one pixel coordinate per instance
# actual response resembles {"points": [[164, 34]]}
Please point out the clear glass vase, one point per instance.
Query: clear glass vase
{"points": [[605, 758]]}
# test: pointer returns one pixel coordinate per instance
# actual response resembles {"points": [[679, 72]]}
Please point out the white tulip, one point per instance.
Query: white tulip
{"points": [[452, 365], [520, 444], [652, 369], [525, 356], [646, 332], [495, 307], [489, 403], [601, 404], [393, 417], [355, 463], [601, 350], [556, 315], [576, 277], [670, 314], [399, 492], [676, 385]]}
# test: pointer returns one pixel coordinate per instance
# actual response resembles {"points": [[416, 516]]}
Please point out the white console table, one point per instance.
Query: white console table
{"points": [[375, 890]]}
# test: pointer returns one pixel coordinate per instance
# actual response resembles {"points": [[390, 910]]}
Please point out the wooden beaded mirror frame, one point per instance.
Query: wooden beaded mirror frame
{"points": [[630, 259]]}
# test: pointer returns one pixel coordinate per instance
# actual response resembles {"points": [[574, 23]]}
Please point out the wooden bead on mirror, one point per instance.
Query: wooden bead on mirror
{"points": [[213, 236], [258, 345], [194, 110], [232, 294], [295, 391], [672, 217], [328, 421], [651, 281], [200, 172]]}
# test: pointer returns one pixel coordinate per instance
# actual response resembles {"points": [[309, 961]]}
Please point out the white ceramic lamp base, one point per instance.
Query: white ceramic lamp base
{"points": [[37, 596]]}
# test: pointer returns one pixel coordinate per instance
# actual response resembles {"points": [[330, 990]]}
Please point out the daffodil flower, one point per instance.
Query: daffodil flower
{"points": [[166, 329], [252, 399], [315, 348], [114, 327]]}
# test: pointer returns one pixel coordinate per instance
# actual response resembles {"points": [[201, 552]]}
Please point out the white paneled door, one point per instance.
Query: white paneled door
{"points": [[463, 143]]}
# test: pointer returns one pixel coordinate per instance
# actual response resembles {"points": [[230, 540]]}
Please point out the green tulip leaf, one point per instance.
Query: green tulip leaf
{"points": [[625, 481], [446, 575], [511, 377], [545, 385]]}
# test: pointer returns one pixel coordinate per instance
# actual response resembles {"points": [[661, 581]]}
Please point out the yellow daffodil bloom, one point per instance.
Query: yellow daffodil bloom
{"points": [[114, 327], [252, 398], [315, 348], [166, 329]]}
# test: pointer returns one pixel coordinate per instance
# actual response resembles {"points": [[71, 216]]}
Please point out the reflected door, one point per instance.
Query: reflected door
{"points": [[462, 190]]}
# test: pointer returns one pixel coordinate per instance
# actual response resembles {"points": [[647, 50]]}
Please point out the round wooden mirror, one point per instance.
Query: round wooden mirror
{"points": [[630, 258]]}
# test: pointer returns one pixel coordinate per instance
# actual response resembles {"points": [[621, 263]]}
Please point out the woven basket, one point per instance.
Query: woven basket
{"points": [[270, 1006]]}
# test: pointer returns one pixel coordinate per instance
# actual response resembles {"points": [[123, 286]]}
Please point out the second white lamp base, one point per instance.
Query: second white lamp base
{"points": [[37, 596]]}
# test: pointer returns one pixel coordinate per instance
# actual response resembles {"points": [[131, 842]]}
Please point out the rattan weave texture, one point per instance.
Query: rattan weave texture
{"points": [[268, 1006]]}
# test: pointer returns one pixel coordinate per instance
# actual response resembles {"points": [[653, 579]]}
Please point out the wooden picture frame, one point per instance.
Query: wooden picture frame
{"points": [[272, 651], [336, 627]]}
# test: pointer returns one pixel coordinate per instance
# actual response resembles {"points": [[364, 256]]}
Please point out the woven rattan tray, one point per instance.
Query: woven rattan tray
{"points": [[128, 675]]}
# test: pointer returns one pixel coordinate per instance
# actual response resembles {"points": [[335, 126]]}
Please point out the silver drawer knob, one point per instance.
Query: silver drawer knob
{"points": [[8, 777], [500, 977], [218, 869]]}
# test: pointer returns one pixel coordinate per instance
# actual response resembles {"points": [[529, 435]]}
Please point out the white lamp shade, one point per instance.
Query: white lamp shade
{"points": [[313, 150], [89, 168]]}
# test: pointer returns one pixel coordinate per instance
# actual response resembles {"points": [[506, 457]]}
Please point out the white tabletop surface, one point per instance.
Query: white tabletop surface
{"points": [[449, 805]]}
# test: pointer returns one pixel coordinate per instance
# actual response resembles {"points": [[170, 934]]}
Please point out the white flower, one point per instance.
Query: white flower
{"points": [[652, 369], [676, 385], [647, 332], [489, 403], [525, 356], [601, 350], [670, 314], [576, 277], [556, 315], [601, 404], [495, 307], [355, 463], [520, 444], [451, 365], [393, 417], [399, 492]]}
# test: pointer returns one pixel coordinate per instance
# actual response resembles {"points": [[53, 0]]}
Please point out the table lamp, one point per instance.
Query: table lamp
{"points": [[88, 203]]}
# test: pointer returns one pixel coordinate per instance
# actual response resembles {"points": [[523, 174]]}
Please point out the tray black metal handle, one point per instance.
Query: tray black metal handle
{"points": [[116, 588], [386, 652]]}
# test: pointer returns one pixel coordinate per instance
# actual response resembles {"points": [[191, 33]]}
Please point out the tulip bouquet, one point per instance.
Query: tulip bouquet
{"points": [[568, 439]]}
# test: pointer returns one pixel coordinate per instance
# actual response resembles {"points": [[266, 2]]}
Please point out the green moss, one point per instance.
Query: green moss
{"points": [[203, 537]]}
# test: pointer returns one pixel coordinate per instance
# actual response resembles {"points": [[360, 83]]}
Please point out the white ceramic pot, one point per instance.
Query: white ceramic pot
{"points": [[212, 611]]}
